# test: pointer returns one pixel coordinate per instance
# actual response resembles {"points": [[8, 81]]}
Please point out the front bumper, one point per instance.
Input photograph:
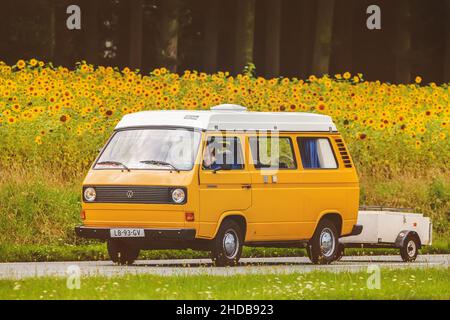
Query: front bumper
{"points": [[357, 229], [150, 234]]}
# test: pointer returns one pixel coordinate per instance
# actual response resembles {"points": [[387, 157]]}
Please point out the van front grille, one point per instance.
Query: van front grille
{"points": [[132, 194], [344, 153]]}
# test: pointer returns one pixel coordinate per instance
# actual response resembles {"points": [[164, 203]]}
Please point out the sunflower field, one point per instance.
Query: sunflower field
{"points": [[53, 120]]}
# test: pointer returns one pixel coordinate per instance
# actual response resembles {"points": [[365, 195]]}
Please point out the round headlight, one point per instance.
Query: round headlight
{"points": [[89, 194], [178, 195]]}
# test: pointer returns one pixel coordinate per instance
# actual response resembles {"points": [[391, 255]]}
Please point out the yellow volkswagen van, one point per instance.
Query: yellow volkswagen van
{"points": [[219, 179]]}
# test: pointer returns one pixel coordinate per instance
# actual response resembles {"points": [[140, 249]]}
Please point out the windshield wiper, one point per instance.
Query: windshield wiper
{"points": [[114, 162], [158, 162]]}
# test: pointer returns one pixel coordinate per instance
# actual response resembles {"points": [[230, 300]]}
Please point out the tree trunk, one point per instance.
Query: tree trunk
{"points": [[447, 44], [273, 28], [136, 27], [169, 35], [89, 12], [323, 38], [211, 36], [52, 31], [305, 37], [245, 30], [403, 42], [343, 36]]}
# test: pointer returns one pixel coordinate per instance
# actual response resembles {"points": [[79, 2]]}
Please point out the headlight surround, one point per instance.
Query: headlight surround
{"points": [[178, 195], [90, 194]]}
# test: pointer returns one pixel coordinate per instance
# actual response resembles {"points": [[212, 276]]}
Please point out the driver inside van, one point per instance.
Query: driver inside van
{"points": [[217, 155], [209, 157]]}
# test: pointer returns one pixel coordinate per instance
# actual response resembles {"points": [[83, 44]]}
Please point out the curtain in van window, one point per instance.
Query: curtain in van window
{"points": [[308, 150]]}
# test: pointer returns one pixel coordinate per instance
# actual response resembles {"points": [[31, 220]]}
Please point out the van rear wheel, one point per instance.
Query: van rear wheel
{"points": [[121, 252], [227, 245], [324, 244]]}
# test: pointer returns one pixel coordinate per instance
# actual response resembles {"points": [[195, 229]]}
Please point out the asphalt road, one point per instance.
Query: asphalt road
{"points": [[20, 270]]}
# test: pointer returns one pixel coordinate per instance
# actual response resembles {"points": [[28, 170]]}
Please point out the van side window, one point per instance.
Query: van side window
{"points": [[262, 149], [223, 153], [316, 153]]}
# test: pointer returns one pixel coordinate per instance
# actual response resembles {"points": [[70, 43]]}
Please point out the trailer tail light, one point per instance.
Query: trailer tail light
{"points": [[83, 215], [189, 216]]}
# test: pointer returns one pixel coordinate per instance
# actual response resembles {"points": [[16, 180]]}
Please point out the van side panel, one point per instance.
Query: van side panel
{"points": [[291, 208]]}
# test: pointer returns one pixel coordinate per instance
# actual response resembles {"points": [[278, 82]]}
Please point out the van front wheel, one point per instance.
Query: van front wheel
{"points": [[324, 244], [121, 252], [227, 245]]}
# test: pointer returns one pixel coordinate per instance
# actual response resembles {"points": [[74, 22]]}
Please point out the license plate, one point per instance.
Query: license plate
{"points": [[127, 233]]}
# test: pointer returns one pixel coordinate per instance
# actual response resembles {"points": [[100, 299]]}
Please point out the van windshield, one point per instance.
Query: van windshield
{"points": [[151, 149]]}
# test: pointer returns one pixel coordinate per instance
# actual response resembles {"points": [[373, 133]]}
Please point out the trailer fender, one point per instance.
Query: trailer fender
{"points": [[399, 242]]}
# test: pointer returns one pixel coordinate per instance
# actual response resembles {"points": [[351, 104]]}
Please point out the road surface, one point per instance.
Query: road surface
{"points": [[20, 270]]}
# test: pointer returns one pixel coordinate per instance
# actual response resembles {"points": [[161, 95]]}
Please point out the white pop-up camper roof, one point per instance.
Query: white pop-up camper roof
{"points": [[229, 117]]}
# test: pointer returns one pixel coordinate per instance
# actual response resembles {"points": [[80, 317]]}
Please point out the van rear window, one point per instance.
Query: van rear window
{"points": [[316, 153]]}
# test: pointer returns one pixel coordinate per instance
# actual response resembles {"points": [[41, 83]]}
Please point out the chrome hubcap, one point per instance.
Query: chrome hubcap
{"points": [[411, 248], [327, 242], [230, 244]]}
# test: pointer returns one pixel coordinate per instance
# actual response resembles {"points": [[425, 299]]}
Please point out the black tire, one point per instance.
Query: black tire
{"points": [[308, 251], [340, 252], [224, 254], [410, 248], [122, 253], [326, 230]]}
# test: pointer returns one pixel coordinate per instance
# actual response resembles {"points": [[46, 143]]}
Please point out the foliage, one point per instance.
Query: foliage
{"points": [[429, 283], [56, 118]]}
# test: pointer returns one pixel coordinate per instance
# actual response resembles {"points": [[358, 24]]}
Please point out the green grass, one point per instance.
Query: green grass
{"points": [[38, 212], [407, 284]]}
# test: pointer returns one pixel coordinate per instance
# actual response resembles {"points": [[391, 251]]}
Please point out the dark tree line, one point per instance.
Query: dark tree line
{"points": [[294, 38]]}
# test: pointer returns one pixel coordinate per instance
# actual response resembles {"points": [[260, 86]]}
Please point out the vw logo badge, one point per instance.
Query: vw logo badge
{"points": [[130, 194]]}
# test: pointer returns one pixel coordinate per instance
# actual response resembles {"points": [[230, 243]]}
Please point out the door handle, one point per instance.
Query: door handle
{"points": [[246, 186]]}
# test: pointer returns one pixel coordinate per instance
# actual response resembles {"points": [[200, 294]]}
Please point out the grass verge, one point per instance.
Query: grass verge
{"points": [[97, 251], [408, 284]]}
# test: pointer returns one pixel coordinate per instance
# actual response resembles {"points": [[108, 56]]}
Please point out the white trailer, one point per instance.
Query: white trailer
{"points": [[390, 228]]}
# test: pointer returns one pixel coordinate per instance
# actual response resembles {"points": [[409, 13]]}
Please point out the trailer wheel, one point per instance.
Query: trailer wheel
{"points": [[410, 249], [324, 243], [121, 252]]}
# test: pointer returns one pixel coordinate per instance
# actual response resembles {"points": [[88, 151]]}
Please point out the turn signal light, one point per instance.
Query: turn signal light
{"points": [[83, 215], [189, 216]]}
